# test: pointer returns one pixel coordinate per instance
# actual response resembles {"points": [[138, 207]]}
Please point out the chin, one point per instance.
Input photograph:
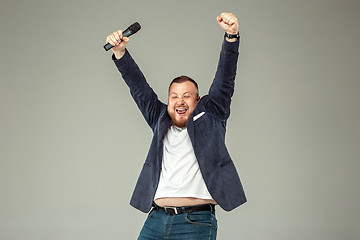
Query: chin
{"points": [[179, 123]]}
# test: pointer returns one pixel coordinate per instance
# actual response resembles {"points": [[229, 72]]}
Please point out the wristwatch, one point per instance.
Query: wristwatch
{"points": [[232, 35]]}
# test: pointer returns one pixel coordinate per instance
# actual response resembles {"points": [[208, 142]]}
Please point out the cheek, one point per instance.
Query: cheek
{"points": [[192, 105], [170, 106], [169, 102]]}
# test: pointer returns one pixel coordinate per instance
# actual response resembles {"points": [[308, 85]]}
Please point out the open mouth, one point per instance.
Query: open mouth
{"points": [[181, 111]]}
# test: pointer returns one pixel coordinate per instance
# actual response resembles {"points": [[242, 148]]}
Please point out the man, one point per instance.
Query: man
{"points": [[188, 169]]}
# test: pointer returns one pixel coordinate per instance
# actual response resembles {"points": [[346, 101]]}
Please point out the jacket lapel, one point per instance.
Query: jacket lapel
{"points": [[164, 125], [190, 128]]}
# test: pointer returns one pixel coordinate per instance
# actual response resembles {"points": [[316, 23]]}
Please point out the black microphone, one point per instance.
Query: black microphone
{"points": [[127, 33]]}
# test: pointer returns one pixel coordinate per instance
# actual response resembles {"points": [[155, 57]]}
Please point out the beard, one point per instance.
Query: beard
{"points": [[179, 122]]}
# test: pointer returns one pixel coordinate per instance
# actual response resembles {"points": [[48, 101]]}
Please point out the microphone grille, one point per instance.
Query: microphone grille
{"points": [[135, 27]]}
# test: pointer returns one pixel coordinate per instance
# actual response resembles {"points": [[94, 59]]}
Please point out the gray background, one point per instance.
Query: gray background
{"points": [[73, 142]]}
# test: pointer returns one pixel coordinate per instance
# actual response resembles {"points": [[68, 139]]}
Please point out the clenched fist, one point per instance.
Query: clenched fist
{"points": [[229, 23]]}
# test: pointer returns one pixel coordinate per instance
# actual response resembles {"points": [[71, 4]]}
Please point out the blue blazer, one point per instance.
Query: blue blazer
{"points": [[206, 127]]}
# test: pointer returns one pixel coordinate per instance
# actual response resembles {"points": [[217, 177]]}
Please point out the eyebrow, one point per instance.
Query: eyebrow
{"points": [[180, 94]]}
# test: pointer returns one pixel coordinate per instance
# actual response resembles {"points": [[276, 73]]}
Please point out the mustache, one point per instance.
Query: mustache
{"points": [[181, 105]]}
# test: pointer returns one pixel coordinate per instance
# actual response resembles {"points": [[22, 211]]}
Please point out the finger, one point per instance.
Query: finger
{"points": [[126, 40], [223, 14], [115, 41], [117, 36], [120, 32], [109, 40], [231, 21], [228, 18]]}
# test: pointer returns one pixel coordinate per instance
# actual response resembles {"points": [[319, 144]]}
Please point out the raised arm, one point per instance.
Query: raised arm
{"points": [[144, 96], [222, 88]]}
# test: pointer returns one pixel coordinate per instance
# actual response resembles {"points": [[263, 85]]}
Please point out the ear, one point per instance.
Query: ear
{"points": [[198, 98]]}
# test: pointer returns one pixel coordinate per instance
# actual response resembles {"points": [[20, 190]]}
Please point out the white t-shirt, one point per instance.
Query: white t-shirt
{"points": [[180, 173]]}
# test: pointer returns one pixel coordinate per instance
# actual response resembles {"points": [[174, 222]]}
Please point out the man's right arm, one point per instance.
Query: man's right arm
{"points": [[145, 98]]}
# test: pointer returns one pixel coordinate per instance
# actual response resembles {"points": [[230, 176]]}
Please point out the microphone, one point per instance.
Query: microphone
{"points": [[127, 33]]}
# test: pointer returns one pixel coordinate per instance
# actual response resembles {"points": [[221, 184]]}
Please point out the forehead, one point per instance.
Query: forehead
{"points": [[181, 88]]}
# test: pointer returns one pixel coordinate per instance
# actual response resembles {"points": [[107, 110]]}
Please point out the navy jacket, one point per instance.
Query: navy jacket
{"points": [[206, 127]]}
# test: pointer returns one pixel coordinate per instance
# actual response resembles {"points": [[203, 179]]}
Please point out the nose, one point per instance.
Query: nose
{"points": [[181, 101]]}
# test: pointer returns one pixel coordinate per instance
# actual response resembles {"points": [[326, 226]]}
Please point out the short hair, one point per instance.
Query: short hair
{"points": [[182, 79]]}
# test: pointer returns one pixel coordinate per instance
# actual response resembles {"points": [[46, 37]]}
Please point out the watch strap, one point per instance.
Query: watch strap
{"points": [[232, 35]]}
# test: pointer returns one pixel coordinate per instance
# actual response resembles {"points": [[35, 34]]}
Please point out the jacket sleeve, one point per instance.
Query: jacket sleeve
{"points": [[222, 87], [144, 96]]}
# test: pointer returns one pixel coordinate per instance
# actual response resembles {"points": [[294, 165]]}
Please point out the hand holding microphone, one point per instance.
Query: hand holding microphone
{"points": [[117, 40]]}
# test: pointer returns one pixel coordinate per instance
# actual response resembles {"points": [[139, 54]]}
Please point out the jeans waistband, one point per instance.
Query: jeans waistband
{"points": [[186, 209]]}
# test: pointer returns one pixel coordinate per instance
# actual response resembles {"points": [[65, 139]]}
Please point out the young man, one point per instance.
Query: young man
{"points": [[188, 169]]}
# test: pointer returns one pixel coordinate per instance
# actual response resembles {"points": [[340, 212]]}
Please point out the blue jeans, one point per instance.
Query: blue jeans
{"points": [[197, 225]]}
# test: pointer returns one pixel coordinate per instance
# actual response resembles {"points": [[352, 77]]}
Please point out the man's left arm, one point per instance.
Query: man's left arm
{"points": [[222, 88]]}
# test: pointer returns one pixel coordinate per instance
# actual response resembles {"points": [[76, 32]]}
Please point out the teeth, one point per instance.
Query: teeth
{"points": [[180, 109]]}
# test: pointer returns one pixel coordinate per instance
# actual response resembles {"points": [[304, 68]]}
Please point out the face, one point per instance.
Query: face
{"points": [[182, 100]]}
